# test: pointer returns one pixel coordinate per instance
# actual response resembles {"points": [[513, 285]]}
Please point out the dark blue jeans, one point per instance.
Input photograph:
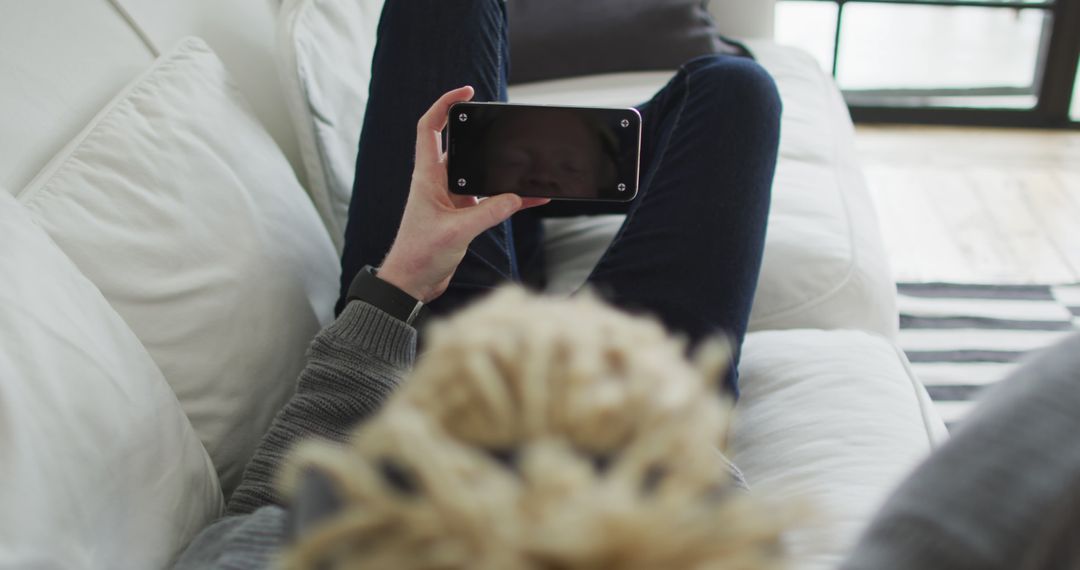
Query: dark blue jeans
{"points": [[690, 249]]}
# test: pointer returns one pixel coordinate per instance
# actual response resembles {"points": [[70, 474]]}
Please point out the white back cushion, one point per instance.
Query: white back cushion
{"points": [[177, 204], [60, 61], [242, 35], [99, 467], [324, 53]]}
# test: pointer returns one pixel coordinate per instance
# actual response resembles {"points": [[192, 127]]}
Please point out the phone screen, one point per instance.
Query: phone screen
{"points": [[569, 153]]}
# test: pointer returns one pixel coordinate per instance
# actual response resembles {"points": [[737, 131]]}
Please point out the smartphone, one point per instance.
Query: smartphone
{"points": [[563, 153]]}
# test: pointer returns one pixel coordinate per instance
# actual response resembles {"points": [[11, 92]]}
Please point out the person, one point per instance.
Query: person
{"points": [[709, 151], [689, 251]]}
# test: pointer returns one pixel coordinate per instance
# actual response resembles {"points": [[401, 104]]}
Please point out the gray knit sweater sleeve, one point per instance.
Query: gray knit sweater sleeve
{"points": [[353, 366]]}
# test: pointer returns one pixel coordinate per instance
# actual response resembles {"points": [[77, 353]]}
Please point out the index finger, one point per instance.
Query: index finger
{"points": [[429, 128]]}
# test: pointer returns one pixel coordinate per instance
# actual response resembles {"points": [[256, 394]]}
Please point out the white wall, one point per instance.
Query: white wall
{"points": [[744, 18]]}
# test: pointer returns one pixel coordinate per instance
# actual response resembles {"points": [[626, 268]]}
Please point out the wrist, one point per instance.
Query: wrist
{"points": [[383, 295], [392, 274]]}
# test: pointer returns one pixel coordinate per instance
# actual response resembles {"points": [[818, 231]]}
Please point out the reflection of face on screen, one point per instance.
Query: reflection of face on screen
{"points": [[547, 153]]}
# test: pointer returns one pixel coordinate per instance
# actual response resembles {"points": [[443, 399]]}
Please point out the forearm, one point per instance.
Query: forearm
{"points": [[353, 366]]}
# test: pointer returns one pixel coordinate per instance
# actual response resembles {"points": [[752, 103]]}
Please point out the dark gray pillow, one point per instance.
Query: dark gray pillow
{"points": [[1003, 493], [551, 39]]}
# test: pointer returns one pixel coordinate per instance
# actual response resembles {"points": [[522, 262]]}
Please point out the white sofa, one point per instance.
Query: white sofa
{"points": [[164, 263]]}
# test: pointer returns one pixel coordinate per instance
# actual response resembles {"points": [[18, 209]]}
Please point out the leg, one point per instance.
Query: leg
{"points": [[425, 48], [691, 247]]}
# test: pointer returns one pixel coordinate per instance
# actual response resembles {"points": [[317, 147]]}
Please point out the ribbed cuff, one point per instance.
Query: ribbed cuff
{"points": [[376, 332]]}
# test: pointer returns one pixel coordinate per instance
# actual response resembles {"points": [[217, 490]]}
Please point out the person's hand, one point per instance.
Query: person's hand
{"points": [[438, 226]]}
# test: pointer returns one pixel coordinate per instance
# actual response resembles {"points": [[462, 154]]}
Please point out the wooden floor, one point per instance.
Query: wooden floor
{"points": [[977, 205]]}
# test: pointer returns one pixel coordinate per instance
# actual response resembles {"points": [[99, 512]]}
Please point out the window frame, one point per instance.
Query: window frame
{"points": [[1056, 71]]}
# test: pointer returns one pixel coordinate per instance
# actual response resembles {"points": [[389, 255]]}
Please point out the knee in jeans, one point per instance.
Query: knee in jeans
{"points": [[735, 81]]}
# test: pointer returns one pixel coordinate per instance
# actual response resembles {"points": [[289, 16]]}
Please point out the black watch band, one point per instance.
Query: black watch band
{"points": [[367, 287]]}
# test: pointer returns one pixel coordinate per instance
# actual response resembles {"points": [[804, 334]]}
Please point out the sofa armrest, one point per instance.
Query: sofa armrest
{"points": [[831, 420]]}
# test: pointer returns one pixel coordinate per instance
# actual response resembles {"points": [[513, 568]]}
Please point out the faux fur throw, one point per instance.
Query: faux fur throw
{"points": [[537, 434]]}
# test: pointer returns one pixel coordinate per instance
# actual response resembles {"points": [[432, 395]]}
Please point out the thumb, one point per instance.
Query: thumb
{"points": [[491, 212]]}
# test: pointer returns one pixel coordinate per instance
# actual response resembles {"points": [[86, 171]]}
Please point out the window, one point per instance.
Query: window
{"points": [[1075, 113], [810, 25], [998, 62]]}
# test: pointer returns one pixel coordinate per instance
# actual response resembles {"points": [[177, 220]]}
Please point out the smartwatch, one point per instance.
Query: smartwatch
{"points": [[367, 287]]}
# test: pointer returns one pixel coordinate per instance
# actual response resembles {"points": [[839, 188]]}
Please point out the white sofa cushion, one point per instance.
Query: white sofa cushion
{"points": [[324, 54], [177, 204], [832, 418], [825, 264], [99, 467], [242, 36], [826, 261], [61, 61]]}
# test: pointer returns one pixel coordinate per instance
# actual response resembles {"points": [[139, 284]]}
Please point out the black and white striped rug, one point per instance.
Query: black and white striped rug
{"points": [[962, 338]]}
